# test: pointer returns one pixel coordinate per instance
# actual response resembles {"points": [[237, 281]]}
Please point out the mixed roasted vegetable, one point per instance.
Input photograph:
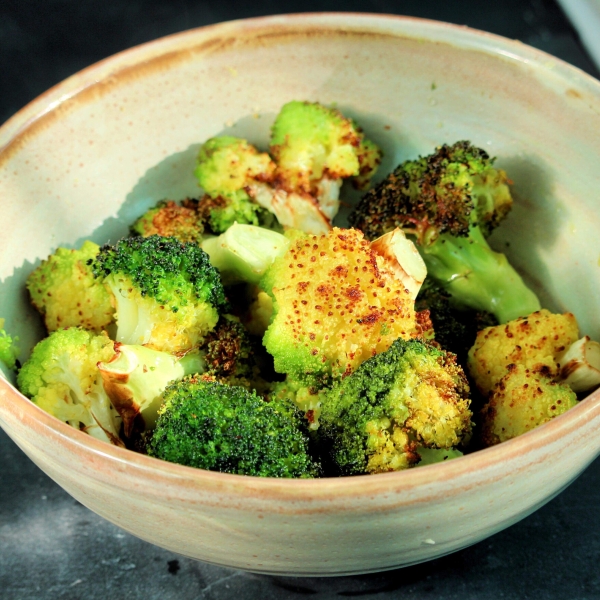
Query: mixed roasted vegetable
{"points": [[243, 332]]}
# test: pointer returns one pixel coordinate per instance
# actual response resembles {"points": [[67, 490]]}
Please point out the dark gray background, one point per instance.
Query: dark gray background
{"points": [[52, 547]]}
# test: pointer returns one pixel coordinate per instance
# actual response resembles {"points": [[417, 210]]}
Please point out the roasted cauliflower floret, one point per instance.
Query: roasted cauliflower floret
{"points": [[533, 341], [522, 400]]}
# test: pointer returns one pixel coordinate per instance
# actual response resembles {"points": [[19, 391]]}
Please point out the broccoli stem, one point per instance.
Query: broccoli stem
{"points": [[192, 363], [244, 252], [478, 277], [136, 377]]}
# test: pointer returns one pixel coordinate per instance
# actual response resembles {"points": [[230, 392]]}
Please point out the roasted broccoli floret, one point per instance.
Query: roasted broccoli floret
{"points": [[227, 167], [409, 396], [306, 393], [453, 328], [336, 303], [315, 147], [209, 425], [233, 357], [535, 341], [97, 385], [167, 294], [448, 202], [183, 221], [522, 400], [8, 352], [62, 378], [65, 292]]}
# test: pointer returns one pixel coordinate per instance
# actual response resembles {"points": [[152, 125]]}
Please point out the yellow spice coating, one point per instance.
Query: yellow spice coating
{"points": [[538, 339], [522, 400], [336, 304], [65, 292], [390, 448]]}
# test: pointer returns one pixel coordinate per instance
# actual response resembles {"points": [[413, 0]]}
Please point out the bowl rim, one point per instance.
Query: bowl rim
{"points": [[14, 131]]}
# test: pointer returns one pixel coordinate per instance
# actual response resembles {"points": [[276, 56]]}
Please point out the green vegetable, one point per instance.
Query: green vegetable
{"points": [[8, 352], [375, 420], [209, 425], [447, 202], [455, 329], [336, 303], [62, 378], [135, 378], [97, 385], [226, 167], [521, 401], [431, 456], [183, 221], [65, 292], [233, 357], [167, 294], [313, 149], [311, 142], [244, 252]]}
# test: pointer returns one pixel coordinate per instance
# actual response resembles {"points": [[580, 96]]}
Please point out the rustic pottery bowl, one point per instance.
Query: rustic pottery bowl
{"points": [[90, 155]]}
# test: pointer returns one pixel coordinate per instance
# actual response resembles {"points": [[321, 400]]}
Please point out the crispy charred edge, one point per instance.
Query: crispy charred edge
{"points": [[439, 205], [228, 348], [184, 221], [122, 398]]}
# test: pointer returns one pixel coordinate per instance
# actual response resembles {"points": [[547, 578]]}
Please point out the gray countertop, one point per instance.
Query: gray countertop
{"points": [[53, 547]]}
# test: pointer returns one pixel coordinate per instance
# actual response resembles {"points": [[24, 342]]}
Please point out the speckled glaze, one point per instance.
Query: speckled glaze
{"points": [[90, 155]]}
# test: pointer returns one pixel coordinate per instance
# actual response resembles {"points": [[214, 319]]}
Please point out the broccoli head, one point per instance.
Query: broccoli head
{"points": [[209, 425], [336, 303], [522, 400], [182, 221], [449, 202], [167, 294], [233, 357], [409, 396], [313, 147], [8, 352], [65, 292], [311, 143], [62, 378], [226, 167]]}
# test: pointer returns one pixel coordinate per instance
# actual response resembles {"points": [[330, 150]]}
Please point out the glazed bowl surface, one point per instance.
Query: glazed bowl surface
{"points": [[92, 154]]}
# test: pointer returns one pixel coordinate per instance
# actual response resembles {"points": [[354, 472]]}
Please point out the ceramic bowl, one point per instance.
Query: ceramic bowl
{"points": [[90, 155]]}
